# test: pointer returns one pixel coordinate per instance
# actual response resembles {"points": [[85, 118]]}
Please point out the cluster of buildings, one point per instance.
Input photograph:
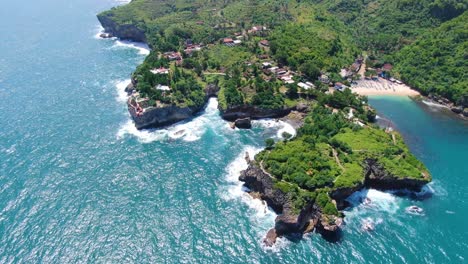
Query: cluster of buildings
{"points": [[173, 56], [285, 75], [190, 47]]}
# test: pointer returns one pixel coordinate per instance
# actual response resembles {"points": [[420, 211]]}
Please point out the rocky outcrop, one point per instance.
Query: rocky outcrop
{"points": [[211, 90], [162, 116], [243, 123], [252, 112], [121, 31], [288, 221], [465, 112], [377, 177], [311, 217]]}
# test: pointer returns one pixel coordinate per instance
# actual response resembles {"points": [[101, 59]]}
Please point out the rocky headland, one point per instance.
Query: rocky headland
{"points": [[311, 218]]}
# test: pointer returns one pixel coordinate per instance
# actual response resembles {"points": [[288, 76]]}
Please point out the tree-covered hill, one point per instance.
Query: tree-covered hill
{"points": [[437, 62]]}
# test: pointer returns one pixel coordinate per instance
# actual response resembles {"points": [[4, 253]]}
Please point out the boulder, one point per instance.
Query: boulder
{"points": [[465, 112], [244, 123], [270, 238], [457, 109], [106, 35]]}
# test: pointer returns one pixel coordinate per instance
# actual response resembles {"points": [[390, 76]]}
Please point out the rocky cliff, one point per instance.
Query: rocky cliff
{"points": [[252, 112], [162, 116], [122, 31], [311, 217], [288, 221]]}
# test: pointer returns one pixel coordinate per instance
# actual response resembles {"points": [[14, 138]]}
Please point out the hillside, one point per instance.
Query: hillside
{"points": [[437, 62]]}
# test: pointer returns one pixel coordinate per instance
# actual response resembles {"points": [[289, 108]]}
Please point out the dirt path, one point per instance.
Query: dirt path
{"points": [[335, 154]]}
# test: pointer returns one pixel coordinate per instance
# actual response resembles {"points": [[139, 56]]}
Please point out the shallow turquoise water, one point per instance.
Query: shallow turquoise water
{"points": [[78, 184]]}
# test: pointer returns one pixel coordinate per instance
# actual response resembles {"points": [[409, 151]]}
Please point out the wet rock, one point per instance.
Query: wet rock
{"points": [[244, 123], [457, 110], [106, 35], [465, 112], [270, 238]]}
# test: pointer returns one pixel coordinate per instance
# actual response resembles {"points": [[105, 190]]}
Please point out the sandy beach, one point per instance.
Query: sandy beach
{"points": [[382, 87]]}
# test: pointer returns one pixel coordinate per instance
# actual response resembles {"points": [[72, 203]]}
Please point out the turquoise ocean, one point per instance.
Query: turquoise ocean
{"points": [[79, 184]]}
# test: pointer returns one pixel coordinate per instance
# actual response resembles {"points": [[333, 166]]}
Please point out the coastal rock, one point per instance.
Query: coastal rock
{"points": [[123, 31], [258, 181], [465, 112], [106, 35], [377, 177], [457, 109], [243, 123], [162, 116], [288, 221], [253, 112], [270, 238], [311, 217], [130, 88]]}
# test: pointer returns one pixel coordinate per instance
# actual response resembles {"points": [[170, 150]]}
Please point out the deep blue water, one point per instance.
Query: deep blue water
{"points": [[79, 184]]}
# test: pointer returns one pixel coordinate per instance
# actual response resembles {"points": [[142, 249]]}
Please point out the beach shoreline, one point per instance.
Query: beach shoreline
{"points": [[383, 87]]}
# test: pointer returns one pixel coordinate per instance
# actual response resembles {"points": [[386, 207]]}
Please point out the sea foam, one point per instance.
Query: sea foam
{"points": [[188, 131], [278, 125], [120, 87], [143, 49], [262, 216]]}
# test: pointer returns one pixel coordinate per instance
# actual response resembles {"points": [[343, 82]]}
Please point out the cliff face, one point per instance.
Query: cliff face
{"points": [[310, 217], [378, 178], [162, 116], [288, 221], [125, 31], [253, 112]]}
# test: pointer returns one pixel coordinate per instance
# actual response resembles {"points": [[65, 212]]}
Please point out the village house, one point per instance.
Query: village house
{"points": [[264, 43], [172, 55], [306, 86], [340, 87], [163, 87], [256, 29], [228, 42], [324, 79], [160, 70], [266, 65]]}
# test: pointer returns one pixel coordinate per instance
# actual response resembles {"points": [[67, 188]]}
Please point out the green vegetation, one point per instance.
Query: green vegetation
{"points": [[438, 61], [283, 43], [310, 37], [329, 153]]}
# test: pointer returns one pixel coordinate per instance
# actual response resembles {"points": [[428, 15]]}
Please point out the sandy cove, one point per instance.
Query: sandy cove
{"points": [[383, 87]]}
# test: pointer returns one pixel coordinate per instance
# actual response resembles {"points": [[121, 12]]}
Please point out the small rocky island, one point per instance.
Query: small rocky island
{"points": [[259, 70]]}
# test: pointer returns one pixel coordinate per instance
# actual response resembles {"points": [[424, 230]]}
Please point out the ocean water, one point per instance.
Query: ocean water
{"points": [[79, 184]]}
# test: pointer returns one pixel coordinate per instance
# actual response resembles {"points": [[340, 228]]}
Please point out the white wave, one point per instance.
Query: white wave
{"points": [[236, 190], [121, 94], [262, 216], [188, 131], [142, 48], [377, 200], [433, 104], [278, 125], [99, 31], [144, 136]]}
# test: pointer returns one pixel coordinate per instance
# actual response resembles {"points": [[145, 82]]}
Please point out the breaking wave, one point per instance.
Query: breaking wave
{"points": [[276, 128], [143, 49], [189, 131]]}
